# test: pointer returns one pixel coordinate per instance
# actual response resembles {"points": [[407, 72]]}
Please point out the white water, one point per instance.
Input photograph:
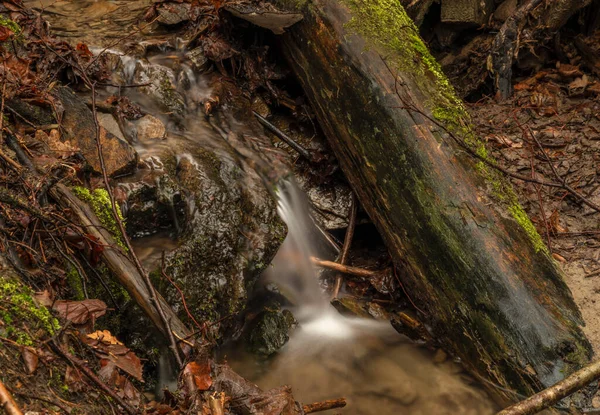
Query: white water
{"points": [[377, 370]]}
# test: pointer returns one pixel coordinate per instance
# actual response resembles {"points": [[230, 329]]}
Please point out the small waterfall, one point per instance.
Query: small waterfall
{"points": [[293, 272]]}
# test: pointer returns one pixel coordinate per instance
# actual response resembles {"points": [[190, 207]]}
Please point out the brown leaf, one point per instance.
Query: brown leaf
{"points": [[31, 359], [74, 379], [197, 376], [112, 351], [80, 312], [44, 298]]}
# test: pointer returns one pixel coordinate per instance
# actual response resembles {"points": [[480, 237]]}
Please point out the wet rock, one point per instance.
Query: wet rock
{"points": [[173, 13], [270, 331], [149, 128], [330, 202], [80, 129], [199, 61], [162, 88], [264, 15], [33, 113], [110, 124], [226, 220]]}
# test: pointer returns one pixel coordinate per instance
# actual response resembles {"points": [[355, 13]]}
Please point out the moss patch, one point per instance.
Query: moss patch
{"points": [[19, 310], [390, 31], [100, 204]]}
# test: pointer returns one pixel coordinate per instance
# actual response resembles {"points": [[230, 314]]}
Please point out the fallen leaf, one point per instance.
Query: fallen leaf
{"points": [[197, 376], [74, 379], [104, 336], [558, 257], [80, 312], [30, 358]]}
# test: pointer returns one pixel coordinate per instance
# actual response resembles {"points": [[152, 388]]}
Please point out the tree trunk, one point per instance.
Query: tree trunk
{"points": [[467, 252]]}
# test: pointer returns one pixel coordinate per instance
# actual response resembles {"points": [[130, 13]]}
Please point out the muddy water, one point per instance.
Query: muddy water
{"points": [[379, 371], [374, 368]]}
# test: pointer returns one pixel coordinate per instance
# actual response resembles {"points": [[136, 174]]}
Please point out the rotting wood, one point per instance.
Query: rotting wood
{"points": [[7, 402], [466, 251], [345, 269], [555, 393]]}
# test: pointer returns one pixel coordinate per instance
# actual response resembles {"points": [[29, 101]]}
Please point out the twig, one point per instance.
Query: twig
{"points": [[324, 405], [358, 272], [136, 261], [80, 365], [553, 394], [7, 402], [164, 274], [347, 243], [283, 137]]}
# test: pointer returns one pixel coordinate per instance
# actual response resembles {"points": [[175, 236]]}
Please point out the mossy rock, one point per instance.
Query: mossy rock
{"points": [[270, 331]]}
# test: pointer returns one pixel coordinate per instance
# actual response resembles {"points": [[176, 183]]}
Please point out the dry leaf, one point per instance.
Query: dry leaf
{"points": [[80, 312], [104, 336], [31, 359], [197, 376]]}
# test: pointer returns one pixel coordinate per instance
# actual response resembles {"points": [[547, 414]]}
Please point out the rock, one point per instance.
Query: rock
{"points": [[80, 129], [199, 61], [226, 221], [467, 12], [110, 124], [33, 113], [270, 332], [149, 128], [162, 88], [173, 13], [330, 202]]}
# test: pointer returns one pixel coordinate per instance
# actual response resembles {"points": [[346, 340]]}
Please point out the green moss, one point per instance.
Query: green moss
{"points": [[22, 309], [10, 24], [74, 282], [99, 201], [388, 29]]}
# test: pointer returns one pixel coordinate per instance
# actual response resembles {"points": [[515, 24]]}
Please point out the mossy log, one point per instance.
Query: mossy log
{"points": [[120, 265], [468, 254]]}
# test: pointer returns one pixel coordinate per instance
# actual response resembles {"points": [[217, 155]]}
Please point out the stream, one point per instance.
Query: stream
{"points": [[328, 355]]}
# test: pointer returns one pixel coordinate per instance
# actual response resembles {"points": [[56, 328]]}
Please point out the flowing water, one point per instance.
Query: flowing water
{"points": [[378, 370]]}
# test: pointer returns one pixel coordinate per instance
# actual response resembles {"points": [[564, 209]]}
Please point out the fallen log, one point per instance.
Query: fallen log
{"points": [[466, 251], [119, 264]]}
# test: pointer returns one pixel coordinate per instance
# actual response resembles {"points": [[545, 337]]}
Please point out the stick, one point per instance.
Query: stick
{"points": [[359, 272], [324, 405], [347, 242], [7, 402], [283, 137], [78, 364], [555, 393], [136, 261]]}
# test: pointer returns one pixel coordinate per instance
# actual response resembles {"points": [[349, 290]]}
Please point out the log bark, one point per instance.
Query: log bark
{"points": [[119, 264], [467, 252]]}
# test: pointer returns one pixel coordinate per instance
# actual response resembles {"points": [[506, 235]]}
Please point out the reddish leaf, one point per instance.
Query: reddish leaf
{"points": [[197, 376], [112, 351], [80, 312], [84, 51], [5, 33]]}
